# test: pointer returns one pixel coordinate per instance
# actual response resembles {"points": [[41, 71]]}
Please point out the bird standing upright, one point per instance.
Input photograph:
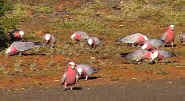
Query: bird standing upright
{"points": [[70, 76], [169, 36]]}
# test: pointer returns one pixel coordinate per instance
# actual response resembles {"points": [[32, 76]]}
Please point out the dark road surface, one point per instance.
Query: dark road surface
{"points": [[132, 91]]}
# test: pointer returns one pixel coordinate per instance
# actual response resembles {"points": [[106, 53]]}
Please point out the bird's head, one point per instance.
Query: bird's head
{"points": [[154, 54], [21, 33], [72, 65], [145, 38], [47, 37], [8, 50], [90, 41], [73, 36], [11, 50], [144, 46], [80, 71], [172, 27]]}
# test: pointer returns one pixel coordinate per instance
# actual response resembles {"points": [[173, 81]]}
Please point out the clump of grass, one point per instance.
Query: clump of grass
{"points": [[17, 66], [3, 69], [33, 66], [164, 11]]}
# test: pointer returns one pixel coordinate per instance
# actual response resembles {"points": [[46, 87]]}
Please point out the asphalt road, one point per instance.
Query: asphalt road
{"points": [[132, 91]]}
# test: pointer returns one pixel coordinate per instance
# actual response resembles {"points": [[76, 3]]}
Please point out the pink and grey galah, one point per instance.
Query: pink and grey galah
{"points": [[70, 77], [94, 41], [16, 35], [85, 70], [19, 47], [169, 36], [134, 39], [152, 44], [140, 55], [49, 40], [163, 54], [79, 35]]}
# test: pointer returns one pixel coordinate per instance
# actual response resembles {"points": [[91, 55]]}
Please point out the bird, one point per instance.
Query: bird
{"points": [[49, 40], [140, 55], [169, 36], [93, 42], [19, 47], [79, 35], [85, 70], [181, 37], [134, 39], [16, 35], [152, 44], [70, 77], [165, 54]]}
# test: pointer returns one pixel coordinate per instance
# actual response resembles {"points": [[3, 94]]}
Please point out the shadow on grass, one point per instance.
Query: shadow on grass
{"points": [[34, 54]]}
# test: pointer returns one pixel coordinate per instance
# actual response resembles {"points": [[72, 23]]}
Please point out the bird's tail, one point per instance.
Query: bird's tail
{"points": [[123, 54], [38, 44]]}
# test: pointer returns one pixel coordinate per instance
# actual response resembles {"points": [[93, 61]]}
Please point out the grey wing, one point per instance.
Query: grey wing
{"points": [[63, 78], [53, 39], [84, 34], [163, 37], [156, 43], [97, 40], [131, 38], [88, 69], [23, 46], [166, 54], [136, 55]]}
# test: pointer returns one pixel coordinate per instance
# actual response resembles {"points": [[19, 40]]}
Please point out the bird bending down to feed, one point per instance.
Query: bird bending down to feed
{"points": [[152, 44], [85, 70], [169, 36], [134, 39], [49, 39], [79, 35], [140, 55], [93, 42], [70, 77], [19, 47], [16, 35], [181, 37]]}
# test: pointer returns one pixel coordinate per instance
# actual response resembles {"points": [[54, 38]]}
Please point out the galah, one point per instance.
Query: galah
{"points": [[152, 44], [93, 41], [139, 55], [164, 54], [19, 47], [181, 37], [49, 40], [70, 77], [79, 35], [85, 70], [134, 39], [16, 35], [169, 36]]}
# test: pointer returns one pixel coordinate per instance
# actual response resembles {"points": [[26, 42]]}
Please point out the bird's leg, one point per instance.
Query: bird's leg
{"points": [[20, 54], [86, 77], [65, 86], [71, 88], [172, 44]]}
